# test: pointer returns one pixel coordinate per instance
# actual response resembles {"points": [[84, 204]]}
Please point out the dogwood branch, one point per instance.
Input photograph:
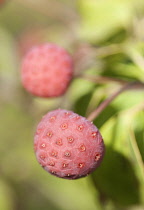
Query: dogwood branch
{"points": [[104, 104]]}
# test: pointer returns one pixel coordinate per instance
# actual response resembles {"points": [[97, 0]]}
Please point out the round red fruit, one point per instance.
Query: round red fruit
{"points": [[47, 70], [67, 145]]}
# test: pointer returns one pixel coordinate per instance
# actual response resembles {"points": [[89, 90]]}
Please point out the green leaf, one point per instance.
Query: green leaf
{"points": [[116, 179], [100, 19]]}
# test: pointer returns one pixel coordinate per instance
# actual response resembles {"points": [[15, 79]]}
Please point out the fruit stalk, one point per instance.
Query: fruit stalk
{"points": [[104, 104], [102, 79]]}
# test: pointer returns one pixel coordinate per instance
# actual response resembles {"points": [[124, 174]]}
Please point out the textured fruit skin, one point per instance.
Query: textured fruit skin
{"points": [[47, 70], [67, 145]]}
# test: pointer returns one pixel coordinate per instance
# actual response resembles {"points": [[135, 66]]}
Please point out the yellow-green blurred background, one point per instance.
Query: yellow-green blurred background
{"points": [[106, 38]]}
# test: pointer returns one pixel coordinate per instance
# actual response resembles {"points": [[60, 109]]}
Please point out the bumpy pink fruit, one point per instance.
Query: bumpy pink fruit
{"points": [[47, 70], [68, 145]]}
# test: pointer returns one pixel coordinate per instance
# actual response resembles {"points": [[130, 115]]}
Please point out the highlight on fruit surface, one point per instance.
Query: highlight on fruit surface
{"points": [[67, 145], [47, 70]]}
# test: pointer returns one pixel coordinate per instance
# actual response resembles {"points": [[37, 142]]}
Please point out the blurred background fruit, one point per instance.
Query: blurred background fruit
{"points": [[47, 70]]}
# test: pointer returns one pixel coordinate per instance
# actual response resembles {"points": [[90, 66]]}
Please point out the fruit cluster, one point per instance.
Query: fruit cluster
{"points": [[66, 144]]}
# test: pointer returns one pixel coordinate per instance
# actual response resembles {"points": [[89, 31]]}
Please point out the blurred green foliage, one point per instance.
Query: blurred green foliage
{"points": [[106, 38]]}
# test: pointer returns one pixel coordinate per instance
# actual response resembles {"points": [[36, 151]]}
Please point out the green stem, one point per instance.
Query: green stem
{"points": [[102, 79], [104, 104]]}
